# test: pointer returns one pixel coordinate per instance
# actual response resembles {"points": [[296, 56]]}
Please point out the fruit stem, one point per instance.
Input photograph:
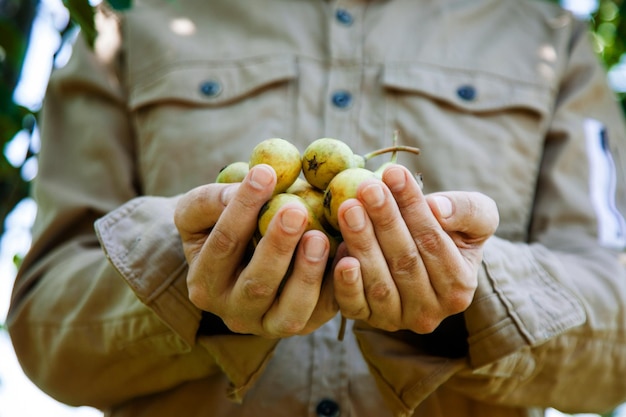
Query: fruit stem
{"points": [[394, 140], [381, 151]]}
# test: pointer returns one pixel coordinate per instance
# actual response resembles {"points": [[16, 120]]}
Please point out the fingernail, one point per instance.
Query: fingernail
{"points": [[350, 275], [292, 220], [444, 206], [355, 217], [261, 176], [395, 179], [314, 248], [373, 195]]}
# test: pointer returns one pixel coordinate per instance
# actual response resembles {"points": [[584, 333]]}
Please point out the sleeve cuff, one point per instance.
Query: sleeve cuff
{"points": [[142, 243], [519, 302]]}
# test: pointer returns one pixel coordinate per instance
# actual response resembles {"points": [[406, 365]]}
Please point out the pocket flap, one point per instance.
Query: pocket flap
{"points": [[209, 83], [467, 90]]}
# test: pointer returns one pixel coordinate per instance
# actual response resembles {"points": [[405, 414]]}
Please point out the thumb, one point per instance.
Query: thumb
{"points": [[471, 214]]}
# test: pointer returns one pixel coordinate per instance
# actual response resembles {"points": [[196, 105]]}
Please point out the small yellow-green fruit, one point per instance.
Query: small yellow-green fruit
{"points": [[281, 155], [343, 187], [313, 197], [233, 172], [271, 207], [326, 157]]}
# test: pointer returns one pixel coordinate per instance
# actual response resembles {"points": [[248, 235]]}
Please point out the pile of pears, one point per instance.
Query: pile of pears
{"points": [[325, 175]]}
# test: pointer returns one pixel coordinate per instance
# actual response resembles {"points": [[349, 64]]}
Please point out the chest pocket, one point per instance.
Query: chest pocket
{"points": [[192, 118], [478, 131]]}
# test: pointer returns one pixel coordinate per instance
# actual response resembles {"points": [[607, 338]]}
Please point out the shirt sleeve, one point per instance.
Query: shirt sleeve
{"points": [[97, 327], [546, 327]]}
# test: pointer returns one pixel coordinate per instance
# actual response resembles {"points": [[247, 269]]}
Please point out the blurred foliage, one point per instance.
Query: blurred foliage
{"points": [[608, 27], [16, 17]]}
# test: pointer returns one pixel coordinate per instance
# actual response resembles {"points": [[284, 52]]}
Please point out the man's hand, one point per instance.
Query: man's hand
{"points": [[216, 223], [412, 260]]}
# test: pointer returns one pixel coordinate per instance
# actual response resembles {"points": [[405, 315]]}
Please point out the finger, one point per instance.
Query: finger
{"points": [[349, 291], [257, 286], [198, 210], [291, 312], [471, 215], [223, 250], [380, 290], [395, 240], [452, 277]]}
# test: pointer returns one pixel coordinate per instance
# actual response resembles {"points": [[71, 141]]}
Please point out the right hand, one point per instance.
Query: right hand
{"points": [[216, 222]]}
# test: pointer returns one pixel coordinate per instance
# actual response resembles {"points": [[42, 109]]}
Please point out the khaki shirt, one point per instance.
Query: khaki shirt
{"points": [[503, 97]]}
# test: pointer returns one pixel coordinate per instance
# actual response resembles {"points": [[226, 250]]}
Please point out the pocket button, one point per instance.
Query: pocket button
{"points": [[466, 92], [210, 88]]}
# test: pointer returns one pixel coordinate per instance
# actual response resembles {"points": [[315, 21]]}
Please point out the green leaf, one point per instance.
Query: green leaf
{"points": [[82, 13], [120, 4]]}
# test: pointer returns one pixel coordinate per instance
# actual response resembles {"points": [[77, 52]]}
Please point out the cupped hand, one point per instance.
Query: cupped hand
{"points": [[412, 260], [216, 223]]}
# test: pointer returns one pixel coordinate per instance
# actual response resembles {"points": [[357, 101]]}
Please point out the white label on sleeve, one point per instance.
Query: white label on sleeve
{"points": [[603, 182]]}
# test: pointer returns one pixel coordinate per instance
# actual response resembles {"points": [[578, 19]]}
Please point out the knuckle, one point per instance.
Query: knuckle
{"points": [[310, 278], [254, 289], [386, 223], [379, 292], [223, 242], [288, 327], [197, 298], [429, 241], [458, 300], [237, 326], [355, 313], [405, 264], [426, 324], [282, 247]]}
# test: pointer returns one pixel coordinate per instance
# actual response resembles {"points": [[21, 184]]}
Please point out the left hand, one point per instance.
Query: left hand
{"points": [[410, 260]]}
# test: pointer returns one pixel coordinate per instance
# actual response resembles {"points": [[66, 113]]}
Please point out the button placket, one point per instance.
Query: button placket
{"points": [[330, 376], [345, 48], [344, 17]]}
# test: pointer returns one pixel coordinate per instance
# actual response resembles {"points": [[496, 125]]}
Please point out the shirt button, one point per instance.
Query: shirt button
{"points": [[341, 99], [210, 88], [327, 408], [466, 92], [344, 17]]}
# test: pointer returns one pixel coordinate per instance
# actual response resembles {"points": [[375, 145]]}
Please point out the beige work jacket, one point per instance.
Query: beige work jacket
{"points": [[503, 97]]}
